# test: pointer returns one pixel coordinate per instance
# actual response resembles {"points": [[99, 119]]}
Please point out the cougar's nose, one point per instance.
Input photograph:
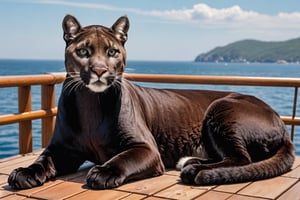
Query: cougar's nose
{"points": [[99, 70]]}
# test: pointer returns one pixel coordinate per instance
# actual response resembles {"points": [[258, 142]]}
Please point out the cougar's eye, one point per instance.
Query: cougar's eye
{"points": [[83, 52], [112, 52]]}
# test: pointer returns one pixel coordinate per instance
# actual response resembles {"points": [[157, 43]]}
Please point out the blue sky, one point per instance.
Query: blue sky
{"points": [[160, 29]]}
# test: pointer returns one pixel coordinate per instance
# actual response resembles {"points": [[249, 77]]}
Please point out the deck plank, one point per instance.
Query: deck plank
{"points": [[19, 158], [270, 188], [167, 186], [16, 197], [292, 193], [134, 197], [4, 193], [179, 191], [231, 188], [99, 195], [47, 185], [296, 162], [155, 198], [3, 178], [295, 173], [60, 191], [151, 185], [20, 162], [240, 197], [214, 195]]}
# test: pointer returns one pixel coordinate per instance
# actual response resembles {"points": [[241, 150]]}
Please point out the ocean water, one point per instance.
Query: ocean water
{"points": [[281, 99]]}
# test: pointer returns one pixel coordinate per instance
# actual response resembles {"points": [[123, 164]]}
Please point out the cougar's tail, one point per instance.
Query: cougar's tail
{"points": [[276, 165]]}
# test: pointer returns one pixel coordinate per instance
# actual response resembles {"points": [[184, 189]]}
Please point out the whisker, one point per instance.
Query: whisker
{"points": [[72, 85], [78, 85], [66, 85], [118, 85], [70, 82]]}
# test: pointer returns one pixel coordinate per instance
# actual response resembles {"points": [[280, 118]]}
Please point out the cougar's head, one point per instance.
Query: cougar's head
{"points": [[95, 55]]}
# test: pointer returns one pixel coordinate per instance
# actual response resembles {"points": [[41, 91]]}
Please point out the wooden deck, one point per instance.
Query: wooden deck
{"points": [[168, 186]]}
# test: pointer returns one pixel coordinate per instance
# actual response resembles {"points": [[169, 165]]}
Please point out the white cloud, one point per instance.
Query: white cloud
{"points": [[231, 16], [87, 5], [202, 14], [231, 13], [289, 16]]}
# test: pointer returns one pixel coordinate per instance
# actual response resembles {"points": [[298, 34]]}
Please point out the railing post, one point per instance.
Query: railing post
{"points": [[294, 112], [48, 102], [25, 127]]}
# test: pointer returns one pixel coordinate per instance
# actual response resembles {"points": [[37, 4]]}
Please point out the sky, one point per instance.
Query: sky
{"points": [[170, 30]]}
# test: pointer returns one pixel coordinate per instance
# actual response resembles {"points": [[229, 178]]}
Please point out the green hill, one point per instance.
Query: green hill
{"points": [[254, 51]]}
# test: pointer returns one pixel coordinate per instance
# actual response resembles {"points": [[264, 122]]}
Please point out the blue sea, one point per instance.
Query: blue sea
{"points": [[279, 98]]}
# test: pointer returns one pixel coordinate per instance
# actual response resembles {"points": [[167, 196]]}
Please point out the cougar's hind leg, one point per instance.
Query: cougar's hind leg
{"points": [[223, 136], [222, 141]]}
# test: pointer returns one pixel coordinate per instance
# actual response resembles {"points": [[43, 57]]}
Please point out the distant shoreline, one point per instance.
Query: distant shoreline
{"points": [[280, 62], [253, 51]]}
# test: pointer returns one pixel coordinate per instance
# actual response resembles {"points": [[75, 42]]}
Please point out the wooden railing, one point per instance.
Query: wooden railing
{"points": [[49, 110], [26, 115]]}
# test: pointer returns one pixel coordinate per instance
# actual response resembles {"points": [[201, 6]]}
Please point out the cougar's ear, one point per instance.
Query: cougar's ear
{"points": [[71, 27], [120, 28]]}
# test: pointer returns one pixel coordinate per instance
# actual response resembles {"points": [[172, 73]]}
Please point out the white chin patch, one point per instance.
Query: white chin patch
{"points": [[97, 87], [98, 84]]}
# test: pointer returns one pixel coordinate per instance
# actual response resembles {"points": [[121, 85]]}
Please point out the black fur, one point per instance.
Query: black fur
{"points": [[131, 132]]}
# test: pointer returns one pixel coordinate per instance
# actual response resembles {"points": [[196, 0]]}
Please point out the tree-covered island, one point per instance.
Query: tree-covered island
{"points": [[255, 51]]}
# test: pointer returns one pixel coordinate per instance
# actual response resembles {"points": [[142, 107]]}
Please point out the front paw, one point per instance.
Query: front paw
{"points": [[24, 178], [100, 177]]}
